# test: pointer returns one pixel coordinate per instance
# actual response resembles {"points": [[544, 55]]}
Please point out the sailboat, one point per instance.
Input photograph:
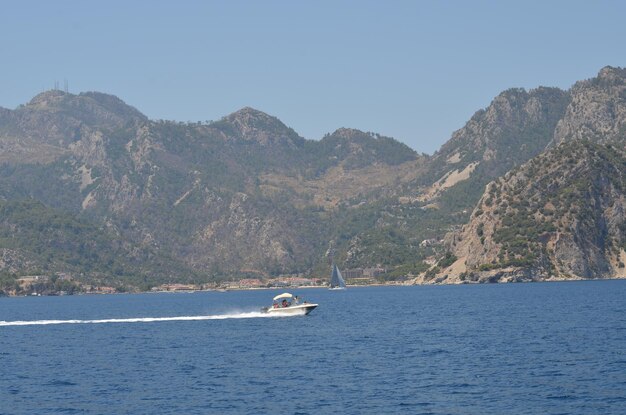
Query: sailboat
{"points": [[336, 280]]}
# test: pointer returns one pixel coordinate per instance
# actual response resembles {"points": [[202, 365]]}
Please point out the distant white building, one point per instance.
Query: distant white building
{"points": [[428, 242]]}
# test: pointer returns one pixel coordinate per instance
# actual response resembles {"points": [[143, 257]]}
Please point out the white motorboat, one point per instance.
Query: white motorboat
{"points": [[289, 305]]}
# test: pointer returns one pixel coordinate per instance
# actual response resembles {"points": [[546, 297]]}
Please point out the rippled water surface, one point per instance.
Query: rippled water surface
{"points": [[552, 348]]}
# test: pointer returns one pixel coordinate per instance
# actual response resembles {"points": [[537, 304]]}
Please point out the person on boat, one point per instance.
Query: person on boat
{"points": [[295, 301], [285, 303]]}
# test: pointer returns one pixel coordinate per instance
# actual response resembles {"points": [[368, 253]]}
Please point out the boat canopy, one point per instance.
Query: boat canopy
{"points": [[283, 295]]}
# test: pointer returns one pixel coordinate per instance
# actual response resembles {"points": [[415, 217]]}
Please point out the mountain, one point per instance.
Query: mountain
{"points": [[597, 110], [249, 124], [560, 216], [406, 228], [517, 125], [243, 193], [44, 128], [247, 194]]}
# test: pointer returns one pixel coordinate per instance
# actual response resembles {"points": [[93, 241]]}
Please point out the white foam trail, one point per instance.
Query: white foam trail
{"points": [[254, 314]]}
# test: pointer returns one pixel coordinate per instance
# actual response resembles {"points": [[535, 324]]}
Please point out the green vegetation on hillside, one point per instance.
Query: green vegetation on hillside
{"points": [[567, 191], [53, 242]]}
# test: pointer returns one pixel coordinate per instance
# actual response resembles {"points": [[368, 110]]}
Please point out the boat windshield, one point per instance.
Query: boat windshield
{"points": [[280, 301]]}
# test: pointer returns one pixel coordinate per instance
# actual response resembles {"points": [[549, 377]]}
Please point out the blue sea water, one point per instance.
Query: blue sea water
{"points": [[541, 348]]}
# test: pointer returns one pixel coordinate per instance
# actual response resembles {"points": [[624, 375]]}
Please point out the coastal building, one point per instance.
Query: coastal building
{"points": [[294, 282], [103, 290], [352, 274], [374, 272], [250, 283], [361, 281], [356, 273], [176, 287]]}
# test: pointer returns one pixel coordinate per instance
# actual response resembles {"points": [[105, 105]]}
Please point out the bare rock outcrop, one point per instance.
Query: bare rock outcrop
{"points": [[559, 216]]}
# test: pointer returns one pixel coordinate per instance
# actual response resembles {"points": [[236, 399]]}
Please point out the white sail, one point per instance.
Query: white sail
{"points": [[336, 280]]}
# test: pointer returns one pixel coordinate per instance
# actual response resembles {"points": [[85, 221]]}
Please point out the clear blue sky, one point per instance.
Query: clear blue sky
{"points": [[413, 70]]}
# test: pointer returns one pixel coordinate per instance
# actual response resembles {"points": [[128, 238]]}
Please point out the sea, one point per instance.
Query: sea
{"points": [[535, 348]]}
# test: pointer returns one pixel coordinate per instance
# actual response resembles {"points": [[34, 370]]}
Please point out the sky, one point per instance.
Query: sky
{"points": [[412, 70]]}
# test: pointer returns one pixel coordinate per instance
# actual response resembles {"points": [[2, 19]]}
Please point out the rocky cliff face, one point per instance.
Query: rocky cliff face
{"points": [[517, 125], [597, 110], [559, 216]]}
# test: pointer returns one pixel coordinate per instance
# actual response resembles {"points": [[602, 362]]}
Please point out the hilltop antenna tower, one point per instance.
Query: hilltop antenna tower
{"points": [[65, 86]]}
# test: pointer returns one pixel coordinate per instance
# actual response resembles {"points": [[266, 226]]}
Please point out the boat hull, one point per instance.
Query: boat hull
{"points": [[296, 310]]}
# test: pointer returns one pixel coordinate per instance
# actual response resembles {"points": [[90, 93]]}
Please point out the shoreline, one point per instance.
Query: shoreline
{"points": [[310, 287]]}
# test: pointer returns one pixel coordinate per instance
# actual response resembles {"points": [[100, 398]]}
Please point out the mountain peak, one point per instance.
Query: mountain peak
{"points": [[47, 98], [90, 107], [598, 109], [249, 111], [248, 117], [251, 124], [349, 133], [612, 72]]}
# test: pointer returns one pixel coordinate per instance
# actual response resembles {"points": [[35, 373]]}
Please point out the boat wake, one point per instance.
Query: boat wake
{"points": [[254, 314]]}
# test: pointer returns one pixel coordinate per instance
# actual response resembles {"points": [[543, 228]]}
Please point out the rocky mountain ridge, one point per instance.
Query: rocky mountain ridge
{"points": [[248, 193], [583, 164], [215, 196], [597, 110], [562, 215]]}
